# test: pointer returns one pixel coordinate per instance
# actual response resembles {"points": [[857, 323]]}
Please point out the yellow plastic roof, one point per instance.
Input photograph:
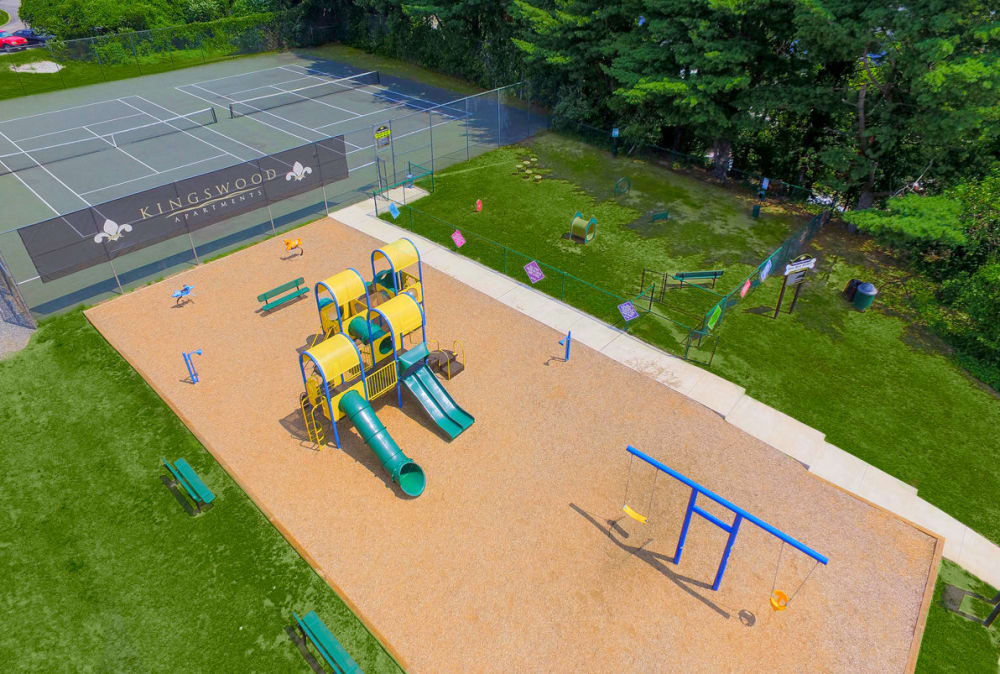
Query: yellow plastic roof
{"points": [[401, 253], [346, 286], [403, 313], [336, 355]]}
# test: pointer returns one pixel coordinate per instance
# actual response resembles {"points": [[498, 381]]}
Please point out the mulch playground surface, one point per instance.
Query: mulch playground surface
{"points": [[517, 557]]}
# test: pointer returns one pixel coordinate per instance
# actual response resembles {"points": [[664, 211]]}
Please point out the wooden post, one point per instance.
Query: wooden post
{"points": [[781, 297]]}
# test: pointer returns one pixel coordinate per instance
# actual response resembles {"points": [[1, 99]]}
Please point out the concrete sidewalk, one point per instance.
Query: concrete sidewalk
{"points": [[803, 443]]}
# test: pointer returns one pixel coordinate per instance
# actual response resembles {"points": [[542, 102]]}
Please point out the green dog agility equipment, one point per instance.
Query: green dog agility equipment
{"points": [[582, 231]]}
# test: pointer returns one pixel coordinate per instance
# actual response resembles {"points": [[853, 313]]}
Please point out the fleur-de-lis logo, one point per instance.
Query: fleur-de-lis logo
{"points": [[298, 172], [112, 231]]}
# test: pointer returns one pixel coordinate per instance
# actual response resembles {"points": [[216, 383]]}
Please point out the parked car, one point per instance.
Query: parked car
{"points": [[10, 42], [32, 36]]}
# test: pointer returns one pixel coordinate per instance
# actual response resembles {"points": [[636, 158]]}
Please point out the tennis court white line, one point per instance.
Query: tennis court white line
{"points": [[55, 112], [228, 77], [32, 190], [150, 175], [44, 168], [367, 114], [217, 133], [272, 86], [74, 128], [127, 154], [295, 135], [185, 131]]}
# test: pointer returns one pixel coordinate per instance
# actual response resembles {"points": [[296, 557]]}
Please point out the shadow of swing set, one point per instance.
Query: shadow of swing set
{"points": [[779, 599], [361, 353]]}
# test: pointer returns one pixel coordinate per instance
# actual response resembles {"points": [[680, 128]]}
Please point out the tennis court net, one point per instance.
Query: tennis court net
{"points": [[32, 157], [251, 106]]}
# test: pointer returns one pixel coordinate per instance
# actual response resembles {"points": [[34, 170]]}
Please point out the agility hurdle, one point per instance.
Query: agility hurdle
{"points": [[731, 529]]}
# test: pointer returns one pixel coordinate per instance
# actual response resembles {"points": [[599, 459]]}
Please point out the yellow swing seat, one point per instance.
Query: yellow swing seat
{"points": [[779, 600], [633, 514]]}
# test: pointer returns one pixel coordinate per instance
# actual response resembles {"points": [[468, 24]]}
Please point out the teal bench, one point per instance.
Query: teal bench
{"points": [[311, 628], [184, 475], [697, 276], [271, 298], [663, 215]]}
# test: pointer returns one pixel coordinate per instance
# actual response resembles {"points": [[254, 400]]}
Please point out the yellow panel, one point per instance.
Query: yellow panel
{"points": [[337, 414], [346, 286], [403, 313], [336, 356], [401, 253]]}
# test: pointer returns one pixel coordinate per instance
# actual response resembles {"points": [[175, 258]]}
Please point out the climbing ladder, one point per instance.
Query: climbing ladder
{"points": [[313, 428]]}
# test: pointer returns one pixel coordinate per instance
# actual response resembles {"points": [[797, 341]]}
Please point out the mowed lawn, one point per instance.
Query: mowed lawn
{"points": [[104, 570], [877, 385]]}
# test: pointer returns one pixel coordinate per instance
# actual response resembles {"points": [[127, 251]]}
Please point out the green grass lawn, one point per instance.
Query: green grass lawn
{"points": [[105, 570], [953, 644], [875, 383]]}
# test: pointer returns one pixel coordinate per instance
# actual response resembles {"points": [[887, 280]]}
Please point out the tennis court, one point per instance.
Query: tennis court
{"points": [[81, 156]]}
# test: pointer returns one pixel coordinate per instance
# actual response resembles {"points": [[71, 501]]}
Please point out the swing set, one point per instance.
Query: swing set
{"points": [[779, 599]]}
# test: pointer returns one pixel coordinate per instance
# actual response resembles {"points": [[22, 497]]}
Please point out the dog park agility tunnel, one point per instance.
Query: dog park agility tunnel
{"points": [[340, 298], [339, 387]]}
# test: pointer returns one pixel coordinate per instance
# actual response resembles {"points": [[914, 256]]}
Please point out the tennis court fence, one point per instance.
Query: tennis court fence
{"points": [[94, 253]]}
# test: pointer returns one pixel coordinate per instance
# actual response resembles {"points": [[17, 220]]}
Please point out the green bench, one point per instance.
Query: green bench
{"points": [[311, 628], [184, 475], [687, 276], [271, 298]]}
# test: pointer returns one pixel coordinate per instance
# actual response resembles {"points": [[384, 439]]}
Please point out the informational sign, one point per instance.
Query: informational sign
{"points": [[745, 289], [393, 211], [457, 237], [479, 205], [628, 312], [765, 183], [765, 271], [800, 263], [382, 134], [796, 277], [534, 272], [614, 132]]}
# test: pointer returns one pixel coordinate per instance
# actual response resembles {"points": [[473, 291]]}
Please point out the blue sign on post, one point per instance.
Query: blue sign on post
{"points": [[393, 211], [628, 312], [614, 132]]}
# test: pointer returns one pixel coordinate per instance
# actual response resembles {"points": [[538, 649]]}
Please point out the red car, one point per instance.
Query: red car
{"points": [[10, 42]]}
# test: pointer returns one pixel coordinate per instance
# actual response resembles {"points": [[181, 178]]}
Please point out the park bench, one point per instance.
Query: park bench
{"points": [[698, 276], [184, 475], [271, 298], [311, 628], [662, 215]]}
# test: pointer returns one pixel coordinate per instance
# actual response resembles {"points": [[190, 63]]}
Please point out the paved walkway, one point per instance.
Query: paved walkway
{"points": [[803, 443], [11, 7]]}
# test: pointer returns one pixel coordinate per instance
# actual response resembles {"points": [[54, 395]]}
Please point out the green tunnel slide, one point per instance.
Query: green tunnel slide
{"points": [[404, 471]]}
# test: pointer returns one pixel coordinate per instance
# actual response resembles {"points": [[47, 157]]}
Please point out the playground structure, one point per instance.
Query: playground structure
{"points": [[779, 600], [580, 230], [364, 355]]}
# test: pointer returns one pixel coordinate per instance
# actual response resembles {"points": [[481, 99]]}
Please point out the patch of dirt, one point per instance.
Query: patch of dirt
{"points": [[38, 67]]}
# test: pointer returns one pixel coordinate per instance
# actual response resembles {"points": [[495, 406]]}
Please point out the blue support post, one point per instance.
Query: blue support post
{"points": [[190, 364], [725, 553], [731, 529], [567, 340], [686, 526]]}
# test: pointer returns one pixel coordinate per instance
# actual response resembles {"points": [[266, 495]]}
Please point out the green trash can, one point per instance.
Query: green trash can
{"points": [[864, 296]]}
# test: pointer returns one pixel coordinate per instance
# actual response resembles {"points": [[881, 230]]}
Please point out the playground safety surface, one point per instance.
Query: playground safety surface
{"points": [[510, 560]]}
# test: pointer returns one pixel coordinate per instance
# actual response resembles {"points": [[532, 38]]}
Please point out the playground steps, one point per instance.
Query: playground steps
{"points": [[314, 430], [445, 362]]}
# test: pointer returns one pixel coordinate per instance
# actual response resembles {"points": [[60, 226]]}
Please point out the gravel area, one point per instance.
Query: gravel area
{"points": [[517, 557]]}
